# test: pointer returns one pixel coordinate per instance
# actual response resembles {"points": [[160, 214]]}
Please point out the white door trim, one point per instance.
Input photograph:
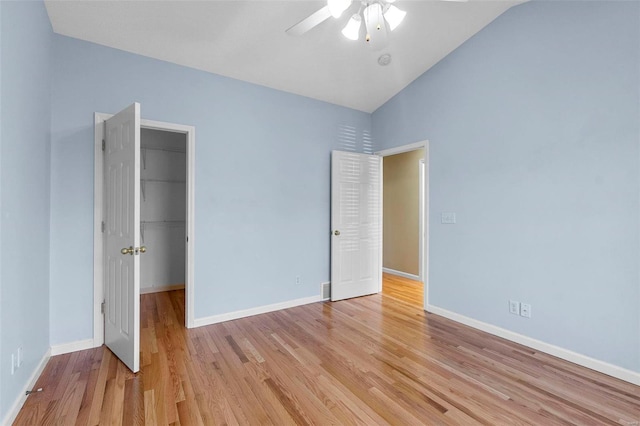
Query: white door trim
{"points": [[98, 214], [424, 209], [402, 149], [421, 204]]}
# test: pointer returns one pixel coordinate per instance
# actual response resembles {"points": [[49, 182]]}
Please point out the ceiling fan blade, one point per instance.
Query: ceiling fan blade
{"points": [[309, 22]]}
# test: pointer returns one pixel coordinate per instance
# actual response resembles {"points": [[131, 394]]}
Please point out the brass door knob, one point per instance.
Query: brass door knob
{"points": [[336, 232], [127, 250], [143, 249]]}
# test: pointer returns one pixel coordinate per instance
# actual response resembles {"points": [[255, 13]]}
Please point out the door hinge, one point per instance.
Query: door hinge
{"points": [[104, 145], [103, 226], [102, 307]]}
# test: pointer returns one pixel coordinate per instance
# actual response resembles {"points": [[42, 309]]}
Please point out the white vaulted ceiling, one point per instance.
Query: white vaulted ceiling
{"points": [[246, 40]]}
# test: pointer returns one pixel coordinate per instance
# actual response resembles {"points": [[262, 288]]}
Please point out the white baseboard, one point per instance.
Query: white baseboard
{"points": [[65, 348], [566, 354], [214, 319], [160, 289], [22, 396], [401, 274]]}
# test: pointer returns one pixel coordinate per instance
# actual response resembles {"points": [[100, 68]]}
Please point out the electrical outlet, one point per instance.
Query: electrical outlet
{"points": [[448, 218], [525, 310], [13, 364], [20, 357], [298, 280], [514, 307]]}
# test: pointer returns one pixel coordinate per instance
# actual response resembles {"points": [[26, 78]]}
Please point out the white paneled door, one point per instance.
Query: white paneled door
{"points": [[122, 236], [356, 234]]}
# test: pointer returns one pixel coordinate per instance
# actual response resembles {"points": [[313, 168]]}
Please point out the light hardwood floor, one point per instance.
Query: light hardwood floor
{"points": [[372, 360]]}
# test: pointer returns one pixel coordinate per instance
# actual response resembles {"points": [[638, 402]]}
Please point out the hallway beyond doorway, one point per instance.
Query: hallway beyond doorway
{"points": [[403, 289]]}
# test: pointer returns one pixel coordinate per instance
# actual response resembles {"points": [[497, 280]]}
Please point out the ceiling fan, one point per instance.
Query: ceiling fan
{"points": [[380, 18]]}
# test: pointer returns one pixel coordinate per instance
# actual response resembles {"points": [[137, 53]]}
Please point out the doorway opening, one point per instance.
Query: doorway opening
{"points": [[405, 222], [163, 191], [167, 173]]}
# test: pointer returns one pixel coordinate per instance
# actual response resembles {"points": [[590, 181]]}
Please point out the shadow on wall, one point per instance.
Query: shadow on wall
{"points": [[352, 139]]}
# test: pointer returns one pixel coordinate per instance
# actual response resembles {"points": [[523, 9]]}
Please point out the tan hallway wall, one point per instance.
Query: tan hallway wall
{"points": [[401, 185]]}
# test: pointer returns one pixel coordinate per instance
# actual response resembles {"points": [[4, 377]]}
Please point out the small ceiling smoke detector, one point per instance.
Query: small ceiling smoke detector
{"points": [[384, 60]]}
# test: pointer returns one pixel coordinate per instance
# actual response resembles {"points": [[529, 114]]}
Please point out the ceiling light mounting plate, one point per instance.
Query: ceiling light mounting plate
{"points": [[384, 60]]}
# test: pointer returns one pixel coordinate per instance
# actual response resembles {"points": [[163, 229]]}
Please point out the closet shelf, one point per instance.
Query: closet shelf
{"points": [[163, 180], [147, 222], [166, 149]]}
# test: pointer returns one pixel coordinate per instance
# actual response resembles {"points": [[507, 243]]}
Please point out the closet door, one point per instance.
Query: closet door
{"points": [[122, 236]]}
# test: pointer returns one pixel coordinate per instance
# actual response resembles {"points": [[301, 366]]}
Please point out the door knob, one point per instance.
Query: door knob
{"points": [[336, 232], [127, 250], [143, 249]]}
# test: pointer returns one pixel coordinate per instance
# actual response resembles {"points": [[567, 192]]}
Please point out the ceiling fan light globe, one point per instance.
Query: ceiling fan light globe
{"points": [[352, 29], [394, 16], [336, 7], [373, 16]]}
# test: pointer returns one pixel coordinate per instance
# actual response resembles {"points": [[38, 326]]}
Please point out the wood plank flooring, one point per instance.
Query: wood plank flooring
{"points": [[372, 360]]}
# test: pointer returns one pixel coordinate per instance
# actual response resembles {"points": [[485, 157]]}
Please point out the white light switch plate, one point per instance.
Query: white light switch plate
{"points": [[448, 218], [514, 307]]}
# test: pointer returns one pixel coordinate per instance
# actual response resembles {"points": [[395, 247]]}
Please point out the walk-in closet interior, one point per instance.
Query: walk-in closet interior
{"points": [[162, 210]]}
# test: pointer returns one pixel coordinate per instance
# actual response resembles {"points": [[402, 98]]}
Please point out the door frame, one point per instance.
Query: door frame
{"points": [[98, 215], [421, 213], [424, 210]]}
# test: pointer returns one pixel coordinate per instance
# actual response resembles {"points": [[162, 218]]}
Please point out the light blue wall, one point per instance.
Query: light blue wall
{"points": [[534, 144], [262, 179], [534, 133], [25, 112]]}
